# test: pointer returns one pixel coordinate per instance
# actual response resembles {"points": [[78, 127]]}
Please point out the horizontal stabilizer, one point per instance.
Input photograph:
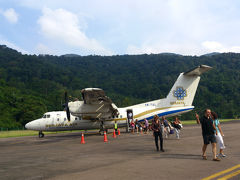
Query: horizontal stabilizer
{"points": [[198, 70]]}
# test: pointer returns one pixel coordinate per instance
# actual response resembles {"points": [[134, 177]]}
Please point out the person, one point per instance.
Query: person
{"points": [[208, 133], [219, 134], [132, 126], [140, 127], [137, 125], [115, 127], [157, 132], [177, 126], [146, 124], [166, 127]]}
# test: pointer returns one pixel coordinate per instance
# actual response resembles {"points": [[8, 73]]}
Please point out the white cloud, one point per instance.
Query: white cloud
{"points": [[43, 49], [213, 46], [63, 27], [183, 48], [11, 15], [144, 49]]}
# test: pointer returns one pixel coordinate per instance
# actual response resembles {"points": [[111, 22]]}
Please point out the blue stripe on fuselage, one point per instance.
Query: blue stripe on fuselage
{"points": [[167, 113]]}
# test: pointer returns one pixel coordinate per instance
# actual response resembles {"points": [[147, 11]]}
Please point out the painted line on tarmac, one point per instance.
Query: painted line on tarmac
{"points": [[230, 175], [224, 172]]}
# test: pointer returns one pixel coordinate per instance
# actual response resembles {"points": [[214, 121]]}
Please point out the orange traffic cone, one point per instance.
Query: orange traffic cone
{"points": [[105, 137], [118, 131], [114, 134], [82, 139]]}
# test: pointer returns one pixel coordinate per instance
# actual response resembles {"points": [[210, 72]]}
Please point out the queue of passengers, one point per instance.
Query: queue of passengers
{"points": [[167, 128], [139, 126]]}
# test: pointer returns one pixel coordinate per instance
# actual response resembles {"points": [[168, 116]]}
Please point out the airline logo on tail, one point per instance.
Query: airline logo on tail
{"points": [[180, 93]]}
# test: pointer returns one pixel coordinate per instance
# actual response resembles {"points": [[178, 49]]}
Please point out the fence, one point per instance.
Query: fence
{"points": [[12, 129]]}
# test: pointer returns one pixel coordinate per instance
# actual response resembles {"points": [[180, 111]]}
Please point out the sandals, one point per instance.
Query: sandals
{"points": [[221, 155], [204, 157], [216, 159]]}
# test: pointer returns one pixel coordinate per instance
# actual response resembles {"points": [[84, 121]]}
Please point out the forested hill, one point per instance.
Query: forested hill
{"points": [[31, 85]]}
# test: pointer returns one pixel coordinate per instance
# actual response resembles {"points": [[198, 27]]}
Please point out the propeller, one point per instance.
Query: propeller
{"points": [[66, 106]]}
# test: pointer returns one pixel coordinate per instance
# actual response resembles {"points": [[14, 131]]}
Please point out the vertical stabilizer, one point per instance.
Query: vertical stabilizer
{"points": [[184, 89]]}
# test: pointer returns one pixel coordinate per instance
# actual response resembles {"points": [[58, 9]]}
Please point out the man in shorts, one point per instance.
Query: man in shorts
{"points": [[208, 134]]}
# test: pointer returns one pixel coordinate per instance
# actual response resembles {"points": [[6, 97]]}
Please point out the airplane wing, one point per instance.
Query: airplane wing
{"points": [[96, 96]]}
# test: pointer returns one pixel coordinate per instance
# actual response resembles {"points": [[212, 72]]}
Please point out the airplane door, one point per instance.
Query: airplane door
{"points": [[129, 118], [53, 120]]}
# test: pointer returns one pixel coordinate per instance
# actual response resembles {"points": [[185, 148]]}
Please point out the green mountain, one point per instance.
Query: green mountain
{"points": [[31, 85]]}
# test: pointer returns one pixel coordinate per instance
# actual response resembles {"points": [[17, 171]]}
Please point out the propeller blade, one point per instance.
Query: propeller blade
{"points": [[66, 98], [66, 106], [68, 114]]}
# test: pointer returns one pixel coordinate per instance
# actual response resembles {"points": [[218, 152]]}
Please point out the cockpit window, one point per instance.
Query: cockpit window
{"points": [[44, 116]]}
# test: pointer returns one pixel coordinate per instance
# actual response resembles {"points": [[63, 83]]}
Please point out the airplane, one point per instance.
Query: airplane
{"points": [[97, 111]]}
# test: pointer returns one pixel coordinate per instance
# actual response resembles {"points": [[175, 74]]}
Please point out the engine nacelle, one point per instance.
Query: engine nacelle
{"points": [[78, 107]]}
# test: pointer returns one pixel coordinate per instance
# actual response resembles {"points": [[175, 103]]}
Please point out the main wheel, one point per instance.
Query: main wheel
{"points": [[40, 134]]}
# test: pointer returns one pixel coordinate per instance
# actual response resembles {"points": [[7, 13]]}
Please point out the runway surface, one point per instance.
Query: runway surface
{"points": [[129, 156]]}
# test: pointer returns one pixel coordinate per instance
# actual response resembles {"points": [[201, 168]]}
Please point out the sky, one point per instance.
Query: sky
{"points": [[118, 27]]}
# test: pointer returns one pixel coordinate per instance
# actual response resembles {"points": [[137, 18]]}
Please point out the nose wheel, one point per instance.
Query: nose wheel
{"points": [[40, 134]]}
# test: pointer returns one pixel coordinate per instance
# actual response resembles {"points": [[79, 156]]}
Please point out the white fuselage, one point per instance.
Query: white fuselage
{"points": [[57, 120]]}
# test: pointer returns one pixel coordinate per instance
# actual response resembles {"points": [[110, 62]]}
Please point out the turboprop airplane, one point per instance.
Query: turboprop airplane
{"points": [[97, 111]]}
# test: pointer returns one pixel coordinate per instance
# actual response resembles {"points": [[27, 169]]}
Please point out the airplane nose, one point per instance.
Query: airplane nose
{"points": [[28, 125], [31, 125]]}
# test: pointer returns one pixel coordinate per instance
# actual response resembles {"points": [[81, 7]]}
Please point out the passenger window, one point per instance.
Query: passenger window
{"points": [[48, 115], [57, 119], [65, 119], [120, 116]]}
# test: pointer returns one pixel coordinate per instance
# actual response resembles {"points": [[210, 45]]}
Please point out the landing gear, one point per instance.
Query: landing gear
{"points": [[40, 134]]}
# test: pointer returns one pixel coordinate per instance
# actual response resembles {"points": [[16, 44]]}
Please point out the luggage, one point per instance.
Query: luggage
{"points": [[171, 131]]}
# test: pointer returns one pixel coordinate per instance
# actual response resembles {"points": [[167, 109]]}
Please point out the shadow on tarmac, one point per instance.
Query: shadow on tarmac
{"points": [[180, 156]]}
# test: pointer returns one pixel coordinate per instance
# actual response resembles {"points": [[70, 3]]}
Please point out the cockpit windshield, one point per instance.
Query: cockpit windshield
{"points": [[46, 116]]}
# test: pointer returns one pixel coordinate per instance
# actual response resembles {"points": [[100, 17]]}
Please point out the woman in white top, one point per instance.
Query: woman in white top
{"points": [[219, 134]]}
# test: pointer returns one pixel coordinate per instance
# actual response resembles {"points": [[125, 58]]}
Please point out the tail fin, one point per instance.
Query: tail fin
{"points": [[184, 89]]}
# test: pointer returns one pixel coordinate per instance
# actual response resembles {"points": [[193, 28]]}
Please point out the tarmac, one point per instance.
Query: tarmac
{"points": [[129, 156]]}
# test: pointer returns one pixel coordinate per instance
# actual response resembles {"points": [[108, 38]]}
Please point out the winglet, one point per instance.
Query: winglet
{"points": [[198, 70]]}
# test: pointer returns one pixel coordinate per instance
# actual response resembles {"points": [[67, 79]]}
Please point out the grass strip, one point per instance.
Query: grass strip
{"points": [[19, 133]]}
